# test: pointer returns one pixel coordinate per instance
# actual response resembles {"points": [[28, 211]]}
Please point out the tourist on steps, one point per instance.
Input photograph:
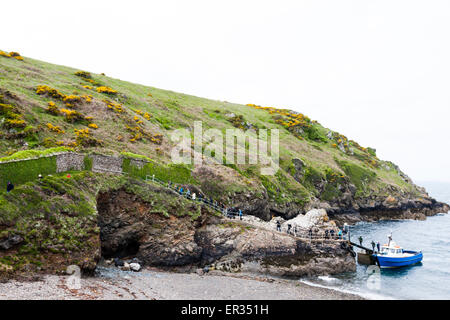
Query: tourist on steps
{"points": [[193, 196], [289, 228], [181, 191], [278, 226], [240, 214], [9, 186]]}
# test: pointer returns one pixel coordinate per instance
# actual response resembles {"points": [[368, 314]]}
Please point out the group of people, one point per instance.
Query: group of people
{"points": [[377, 245], [328, 234], [228, 212]]}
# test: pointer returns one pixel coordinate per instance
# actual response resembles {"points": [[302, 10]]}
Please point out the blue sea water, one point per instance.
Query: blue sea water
{"points": [[427, 280]]}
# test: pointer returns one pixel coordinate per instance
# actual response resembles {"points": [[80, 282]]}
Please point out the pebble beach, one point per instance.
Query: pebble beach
{"points": [[114, 284]]}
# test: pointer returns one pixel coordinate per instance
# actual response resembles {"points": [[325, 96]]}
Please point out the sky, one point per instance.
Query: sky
{"points": [[376, 71]]}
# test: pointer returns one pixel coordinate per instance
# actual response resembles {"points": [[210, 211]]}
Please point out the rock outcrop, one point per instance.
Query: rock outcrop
{"points": [[238, 247], [130, 227]]}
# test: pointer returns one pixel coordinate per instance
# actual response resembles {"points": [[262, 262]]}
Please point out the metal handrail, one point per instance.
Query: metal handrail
{"points": [[302, 234]]}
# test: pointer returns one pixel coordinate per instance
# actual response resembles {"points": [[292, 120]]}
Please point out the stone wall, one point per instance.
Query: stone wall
{"points": [[138, 163], [65, 161], [101, 163], [69, 161]]}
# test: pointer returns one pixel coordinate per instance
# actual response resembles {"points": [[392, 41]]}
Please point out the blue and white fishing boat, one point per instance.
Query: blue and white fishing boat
{"points": [[393, 256]]}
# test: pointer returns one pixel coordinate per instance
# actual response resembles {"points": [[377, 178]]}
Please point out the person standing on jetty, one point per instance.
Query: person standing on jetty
{"points": [[9, 186]]}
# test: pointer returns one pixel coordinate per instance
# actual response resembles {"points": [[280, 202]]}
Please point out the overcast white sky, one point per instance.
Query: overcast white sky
{"points": [[376, 71]]}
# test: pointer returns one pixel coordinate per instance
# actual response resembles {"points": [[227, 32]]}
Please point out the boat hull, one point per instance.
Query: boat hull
{"points": [[397, 262]]}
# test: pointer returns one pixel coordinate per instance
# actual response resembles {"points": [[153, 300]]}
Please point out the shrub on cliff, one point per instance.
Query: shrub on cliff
{"points": [[358, 175]]}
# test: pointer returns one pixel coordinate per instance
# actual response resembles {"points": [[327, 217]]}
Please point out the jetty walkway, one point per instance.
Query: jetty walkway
{"points": [[233, 213]]}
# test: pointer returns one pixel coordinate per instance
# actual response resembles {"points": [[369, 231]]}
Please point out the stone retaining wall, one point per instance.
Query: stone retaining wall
{"points": [[72, 161], [101, 163], [69, 161], [138, 163]]}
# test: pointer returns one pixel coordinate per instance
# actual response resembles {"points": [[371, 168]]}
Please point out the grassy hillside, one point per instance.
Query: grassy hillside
{"points": [[45, 106]]}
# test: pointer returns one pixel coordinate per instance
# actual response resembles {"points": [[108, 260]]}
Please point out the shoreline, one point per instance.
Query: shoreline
{"points": [[154, 284]]}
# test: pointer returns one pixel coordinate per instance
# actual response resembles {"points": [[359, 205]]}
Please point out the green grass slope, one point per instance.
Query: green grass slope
{"points": [[46, 106]]}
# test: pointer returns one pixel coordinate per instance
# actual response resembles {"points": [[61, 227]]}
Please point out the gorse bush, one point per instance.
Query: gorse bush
{"points": [[83, 74], [49, 91], [52, 108], [12, 54], [107, 90], [85, 139], [56, 129], [72, 115], [13, 119]]}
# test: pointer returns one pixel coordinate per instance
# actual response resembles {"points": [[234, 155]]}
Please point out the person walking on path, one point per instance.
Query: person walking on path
{"points": [[332, 234], [240, 214], [360, 240], [289, 229], [181, 191], [193, 196], [278, 226], [340, 234], [9, 186]]}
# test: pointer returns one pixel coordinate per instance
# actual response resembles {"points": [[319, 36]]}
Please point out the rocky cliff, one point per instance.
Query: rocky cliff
{"points": [[115, 216], [44, 106]]}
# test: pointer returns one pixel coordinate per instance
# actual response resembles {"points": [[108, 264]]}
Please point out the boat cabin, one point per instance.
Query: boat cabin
{"points": [[391, 250]]}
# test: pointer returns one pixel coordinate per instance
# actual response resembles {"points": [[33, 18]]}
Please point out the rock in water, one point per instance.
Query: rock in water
{"points": [[135, 267]]}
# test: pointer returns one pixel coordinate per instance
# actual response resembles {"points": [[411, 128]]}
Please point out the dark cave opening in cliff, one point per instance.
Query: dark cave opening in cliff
{"points": [[118, 238]]}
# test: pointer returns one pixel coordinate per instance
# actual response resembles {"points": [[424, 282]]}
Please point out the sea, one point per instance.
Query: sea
{"points": [[428, 280]]}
